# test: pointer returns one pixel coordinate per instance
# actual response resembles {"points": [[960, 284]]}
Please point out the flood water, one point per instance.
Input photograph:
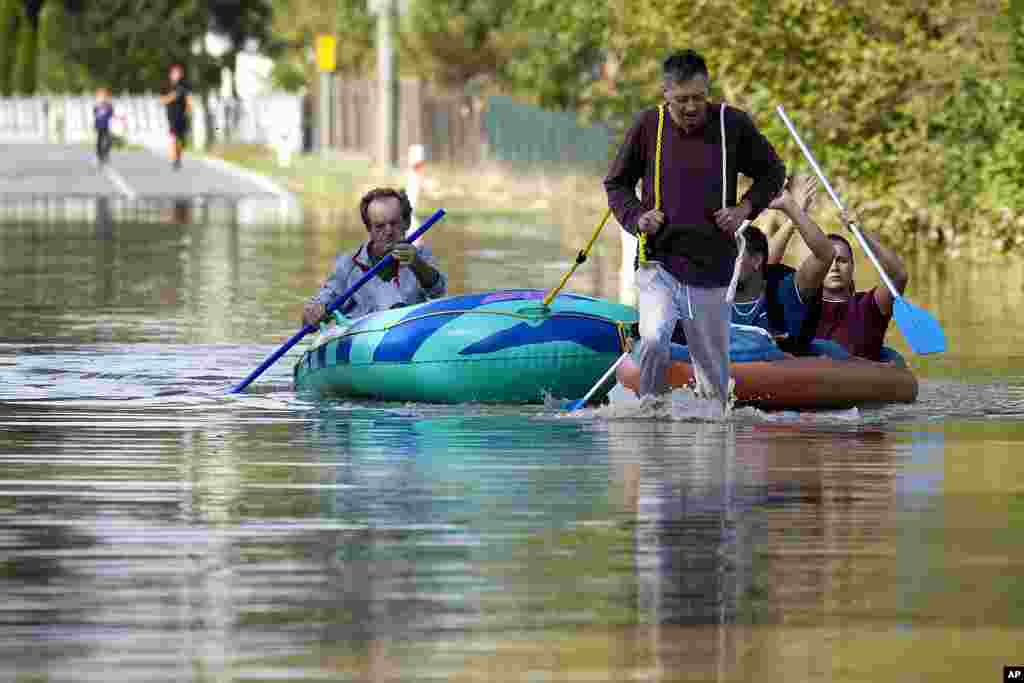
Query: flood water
{"points": [[153, 528]]}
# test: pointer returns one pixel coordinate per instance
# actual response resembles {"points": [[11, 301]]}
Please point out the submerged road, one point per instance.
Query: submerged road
{"points": [[38, 170]]}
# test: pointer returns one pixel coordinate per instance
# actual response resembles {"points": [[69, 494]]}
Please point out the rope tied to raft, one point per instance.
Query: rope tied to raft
{"points": [[580, 258]]}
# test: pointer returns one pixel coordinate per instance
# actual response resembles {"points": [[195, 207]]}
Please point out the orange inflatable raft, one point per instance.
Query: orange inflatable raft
{"points": [[800, 383]]}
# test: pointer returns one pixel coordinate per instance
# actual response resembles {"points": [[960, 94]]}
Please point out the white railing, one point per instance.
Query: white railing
{"points": [[274, 119], [22, 119]]}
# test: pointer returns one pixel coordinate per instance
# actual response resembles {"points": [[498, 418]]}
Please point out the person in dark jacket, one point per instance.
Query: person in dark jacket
{"points": [[688, 153], [178, 101]]}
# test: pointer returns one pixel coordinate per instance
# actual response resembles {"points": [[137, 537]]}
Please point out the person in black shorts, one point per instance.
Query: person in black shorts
{"points": [[178, 101]]}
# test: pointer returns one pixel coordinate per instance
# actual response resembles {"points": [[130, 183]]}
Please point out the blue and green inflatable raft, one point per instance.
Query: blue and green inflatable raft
{"points": [[495, 347]]}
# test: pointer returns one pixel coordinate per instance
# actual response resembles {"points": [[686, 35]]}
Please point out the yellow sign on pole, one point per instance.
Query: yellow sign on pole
{"points": [[325, 53]]}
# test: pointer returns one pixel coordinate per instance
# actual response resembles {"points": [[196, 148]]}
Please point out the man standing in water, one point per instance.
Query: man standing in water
{"points": [[178, 102], [687, 219]]}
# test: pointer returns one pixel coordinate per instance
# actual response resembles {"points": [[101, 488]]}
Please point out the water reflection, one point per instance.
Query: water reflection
{"points": [[747, 531]]}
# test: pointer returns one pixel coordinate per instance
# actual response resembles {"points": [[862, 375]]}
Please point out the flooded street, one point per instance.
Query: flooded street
{"points": [[154, 528]]}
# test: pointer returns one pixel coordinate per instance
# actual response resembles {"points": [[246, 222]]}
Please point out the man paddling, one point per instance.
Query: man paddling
{"points": [[687, 218], [780, 299], [413, 278]]}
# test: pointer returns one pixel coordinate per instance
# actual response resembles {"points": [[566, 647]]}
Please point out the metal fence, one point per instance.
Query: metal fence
{"points": [[448, 125], [458, 128], [523, 133]]}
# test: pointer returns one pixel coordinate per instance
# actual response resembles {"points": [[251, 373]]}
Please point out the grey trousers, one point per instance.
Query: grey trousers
{"points": [[663, 301]]}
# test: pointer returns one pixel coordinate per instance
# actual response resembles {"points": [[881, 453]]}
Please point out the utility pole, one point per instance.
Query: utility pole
{"points": [[326, 51], [387, 82]]}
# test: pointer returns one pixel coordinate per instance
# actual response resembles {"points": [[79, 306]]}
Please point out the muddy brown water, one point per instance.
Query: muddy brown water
{"points": [[153, 528]]}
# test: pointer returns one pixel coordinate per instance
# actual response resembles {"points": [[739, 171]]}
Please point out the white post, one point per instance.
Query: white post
{"points": [[627, 275], [324, 98], [414, 177]]}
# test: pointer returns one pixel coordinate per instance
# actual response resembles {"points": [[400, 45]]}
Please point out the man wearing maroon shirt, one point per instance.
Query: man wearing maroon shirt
{"points": [[688, 247], [858, 320]]}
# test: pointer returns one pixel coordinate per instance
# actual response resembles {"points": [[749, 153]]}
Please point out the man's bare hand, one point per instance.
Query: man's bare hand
{"points": [[731, 218], [650, 222], [313, 313], [404, 253], [804, 189]]}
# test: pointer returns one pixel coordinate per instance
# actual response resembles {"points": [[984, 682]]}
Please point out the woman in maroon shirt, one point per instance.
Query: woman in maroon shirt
{"points": [[858, 320]]}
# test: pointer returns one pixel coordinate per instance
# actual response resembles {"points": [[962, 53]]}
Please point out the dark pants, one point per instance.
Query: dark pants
{"points": [[104, 141], [179, 128]]}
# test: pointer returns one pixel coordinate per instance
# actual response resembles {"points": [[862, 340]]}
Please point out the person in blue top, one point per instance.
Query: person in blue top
{"points": [[785, 301], [102, 113]]}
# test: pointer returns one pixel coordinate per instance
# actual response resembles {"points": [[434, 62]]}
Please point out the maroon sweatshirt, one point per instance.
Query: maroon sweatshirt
{"points": [[689, 244]]}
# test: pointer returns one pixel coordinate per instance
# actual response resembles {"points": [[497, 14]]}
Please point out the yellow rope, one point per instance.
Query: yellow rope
{"points": [[580, 258], [625, 340], [642, 236]]}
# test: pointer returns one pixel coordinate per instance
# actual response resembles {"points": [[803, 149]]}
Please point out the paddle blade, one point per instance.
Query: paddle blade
{"points": [[920, 328], [575, 405], [579, 403]]}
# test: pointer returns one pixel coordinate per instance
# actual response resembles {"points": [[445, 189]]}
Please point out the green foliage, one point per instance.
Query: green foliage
{"points": [[287, 75], [1002, 172], [24, 78], [555, 50], [57, 74], [454, 42], [547, 51], [134, 55], [296, 23], [10, 14]]}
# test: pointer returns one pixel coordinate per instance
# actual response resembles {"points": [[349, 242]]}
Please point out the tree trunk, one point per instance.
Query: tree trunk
{"points": [[10, 15], [25, 76]]}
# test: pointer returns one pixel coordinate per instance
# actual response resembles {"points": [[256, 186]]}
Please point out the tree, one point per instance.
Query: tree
{"points": [[296, 23], [10, 14], [134, 55], [555, 50], [242, 21], [453, 42], [23, 80]]}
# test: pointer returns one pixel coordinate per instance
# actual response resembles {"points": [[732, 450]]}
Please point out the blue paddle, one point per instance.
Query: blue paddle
{"points": [[920, 328], [334, 305]]}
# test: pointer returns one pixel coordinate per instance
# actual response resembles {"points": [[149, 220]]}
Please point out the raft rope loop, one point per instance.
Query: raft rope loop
{"points": [[622, 326], [730, 294]]}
